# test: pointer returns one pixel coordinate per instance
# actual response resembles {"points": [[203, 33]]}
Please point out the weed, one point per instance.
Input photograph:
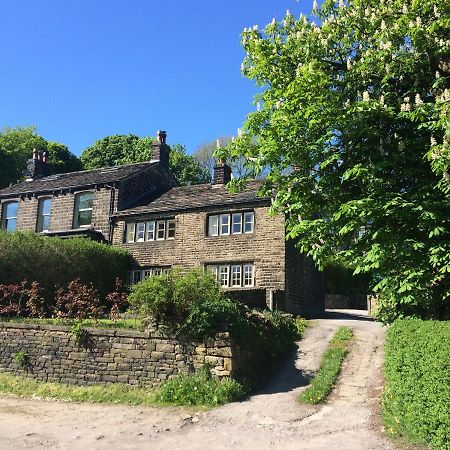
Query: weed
{"points": [[22, 359]]}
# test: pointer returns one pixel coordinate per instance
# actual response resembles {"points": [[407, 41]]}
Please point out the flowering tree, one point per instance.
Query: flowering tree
{"points": [[353, 127]]}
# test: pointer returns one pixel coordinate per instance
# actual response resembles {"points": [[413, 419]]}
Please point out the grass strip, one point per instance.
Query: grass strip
{"points": [[325, 379], [111, 393], [130, 324]]}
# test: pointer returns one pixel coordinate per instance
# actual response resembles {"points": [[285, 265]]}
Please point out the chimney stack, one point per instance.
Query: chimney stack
{"points": [[37, 166], [222, 173], [160, 150]]}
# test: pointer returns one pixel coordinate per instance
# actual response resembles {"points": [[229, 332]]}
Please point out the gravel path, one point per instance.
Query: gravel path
{"points": [[269, 420]]}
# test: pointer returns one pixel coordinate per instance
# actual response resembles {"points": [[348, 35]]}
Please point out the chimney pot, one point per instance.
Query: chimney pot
{"points": [[222, 172], [160, 150]]}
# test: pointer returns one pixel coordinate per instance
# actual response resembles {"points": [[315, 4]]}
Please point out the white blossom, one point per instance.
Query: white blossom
{"points": [[218, 143], [349, 64], [239, 132], [288, 13], [347, 103], [278, 104], [273, 21], [368, 11], [315, 6], [258, 106], [418, 100], [242, 67], [405, 9], [366, 96], [341, 4], [418, 21], [433, 141], [446, 94], [446, 176], [437, 74], [401, 145], [406, 99], [405, 107], [436, 11], [255, 27], [383, 25], [382, 100], [411, 24]]}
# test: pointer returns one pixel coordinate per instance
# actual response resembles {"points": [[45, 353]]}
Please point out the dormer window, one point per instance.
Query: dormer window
{"points": [[9, 216], [83, 209]]}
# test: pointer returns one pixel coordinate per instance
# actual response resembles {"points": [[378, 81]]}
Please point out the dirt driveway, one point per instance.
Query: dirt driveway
{"points": [[272, 419]]}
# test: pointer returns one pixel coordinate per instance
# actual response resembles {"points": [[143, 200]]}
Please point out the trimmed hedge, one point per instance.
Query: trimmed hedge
{"points": [[54, 262], [416, 399]]}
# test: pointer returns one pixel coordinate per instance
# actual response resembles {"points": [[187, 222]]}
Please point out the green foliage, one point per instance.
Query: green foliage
{"points": [[200, 389], [127, 149], [330, 367], [80, 335], [339, 279], [170, 296], [22, 359], [54, 262], [352, 132], [132, 324], [16, 147], [112, 393], [416, 398], [300, 324]]}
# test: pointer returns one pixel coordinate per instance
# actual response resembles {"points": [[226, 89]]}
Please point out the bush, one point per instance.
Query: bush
{"points": [[169, 297], [416, 398], [55, 262], [200, 389], [13, 299]]}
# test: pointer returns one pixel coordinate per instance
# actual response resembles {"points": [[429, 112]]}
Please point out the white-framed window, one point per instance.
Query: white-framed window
{"points": [[140, 232], [170, 229], [224, 276], [160, 230], [224, 224], [213, 226], [43, 219], [131, 229], [233, 275], [9, 216], [249, 222], [249, 275], [135, 276], [236, 223], [150, 231], [236, 276], [83, 209], [233, 223]]}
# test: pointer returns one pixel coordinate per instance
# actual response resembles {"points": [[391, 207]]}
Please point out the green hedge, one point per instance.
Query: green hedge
{"points": [[416, 399], [54, 262]]}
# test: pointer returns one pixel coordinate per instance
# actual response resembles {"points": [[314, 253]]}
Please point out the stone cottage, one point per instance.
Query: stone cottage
{"points": [[140, 207]]}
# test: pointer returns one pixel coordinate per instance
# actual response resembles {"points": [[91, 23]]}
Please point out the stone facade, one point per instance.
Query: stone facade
{"points": [[112, 356]]}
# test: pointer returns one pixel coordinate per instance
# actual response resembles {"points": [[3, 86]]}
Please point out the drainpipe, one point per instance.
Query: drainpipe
{"points": [[271, 299], [111, 211]]}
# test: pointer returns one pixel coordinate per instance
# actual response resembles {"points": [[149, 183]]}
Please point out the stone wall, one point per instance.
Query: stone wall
{"points": [[111, 356]]}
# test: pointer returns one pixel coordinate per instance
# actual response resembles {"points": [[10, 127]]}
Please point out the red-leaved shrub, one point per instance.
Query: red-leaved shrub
{"points": [[13, 299], [117, 300]]}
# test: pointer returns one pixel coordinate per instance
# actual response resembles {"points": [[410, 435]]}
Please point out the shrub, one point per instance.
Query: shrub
{"points": [[22, 359], [12, 299], [52, 262], [36, 305], [200, 389], [117, 301], [78, 301], [416, 398], [169, 297]]}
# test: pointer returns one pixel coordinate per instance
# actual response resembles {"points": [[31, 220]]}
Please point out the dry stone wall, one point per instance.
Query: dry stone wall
{"points": [[111, 356]]}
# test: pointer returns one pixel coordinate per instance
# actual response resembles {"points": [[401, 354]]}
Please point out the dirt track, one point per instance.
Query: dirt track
{"points": [[272, 419]]}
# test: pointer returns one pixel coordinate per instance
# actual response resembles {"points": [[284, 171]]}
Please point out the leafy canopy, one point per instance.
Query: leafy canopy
{"points": [[353, 127], [127, 149], [16, 147]]}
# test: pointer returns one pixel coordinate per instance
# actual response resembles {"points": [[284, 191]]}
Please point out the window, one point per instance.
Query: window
{"points": [[236, 276], [224, 275], [233, 275], [140, 232], [83, 209], [235, 223], [135, 276], [213, 225], [249, 220], [160, 230], [150, 231], [236, 227], [249, 275], [44, 208], [224, 224], [171, 229], [9, 216], [131, 229]]}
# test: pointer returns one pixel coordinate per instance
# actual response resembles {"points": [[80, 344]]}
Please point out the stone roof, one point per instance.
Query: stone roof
{"points": [[199, 197], [76, 179]]}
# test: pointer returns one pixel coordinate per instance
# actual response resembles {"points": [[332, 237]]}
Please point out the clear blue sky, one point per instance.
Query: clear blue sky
{"points": [[81, 70]]}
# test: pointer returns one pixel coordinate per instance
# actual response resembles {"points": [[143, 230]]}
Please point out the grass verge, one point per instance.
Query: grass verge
{"points": [[196, 389], [332, 359], [130, 324]]}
